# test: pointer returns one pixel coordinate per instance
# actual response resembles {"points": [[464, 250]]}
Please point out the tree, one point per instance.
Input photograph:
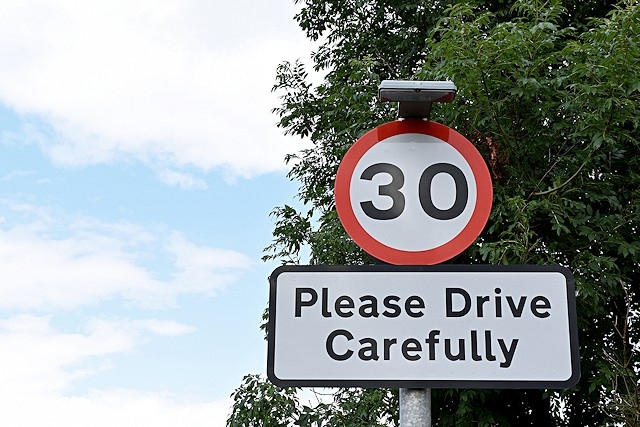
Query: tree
{"points": [[550, 98]]}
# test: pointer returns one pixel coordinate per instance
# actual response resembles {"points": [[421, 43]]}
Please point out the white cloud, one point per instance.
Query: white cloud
{"points": [[16, 174], [123, 408], [58, 262], [40, 363], [181, 179], [53, 262], [198, 266], [172, 82], [163, 327], [130, 408], [36, 356]]}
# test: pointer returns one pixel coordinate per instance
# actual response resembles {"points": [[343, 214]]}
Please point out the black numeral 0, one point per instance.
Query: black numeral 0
{"points": [[424, 191]]}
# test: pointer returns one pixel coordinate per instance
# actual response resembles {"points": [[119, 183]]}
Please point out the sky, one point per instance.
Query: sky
{"points": [[139, 161]]}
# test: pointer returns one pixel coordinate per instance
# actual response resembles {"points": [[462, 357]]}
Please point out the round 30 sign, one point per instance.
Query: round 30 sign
{"points": [[413, 192]]}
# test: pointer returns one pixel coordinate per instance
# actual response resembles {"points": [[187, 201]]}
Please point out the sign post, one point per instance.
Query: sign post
{"points": [[449, 194], [414, 194], [415, 407]]}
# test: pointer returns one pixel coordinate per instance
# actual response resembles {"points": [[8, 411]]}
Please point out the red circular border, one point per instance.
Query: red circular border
{"points": [[453, 247]]}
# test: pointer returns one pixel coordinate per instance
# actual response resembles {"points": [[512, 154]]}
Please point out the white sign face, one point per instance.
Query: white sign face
{"points": [[413, 192], [419, 326], [420, 225]]}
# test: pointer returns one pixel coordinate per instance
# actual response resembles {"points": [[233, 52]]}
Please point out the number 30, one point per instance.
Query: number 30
{"points": [[424, 191]]}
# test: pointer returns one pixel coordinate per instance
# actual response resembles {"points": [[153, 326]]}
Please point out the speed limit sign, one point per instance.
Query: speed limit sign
{"points": [[413, 192]]}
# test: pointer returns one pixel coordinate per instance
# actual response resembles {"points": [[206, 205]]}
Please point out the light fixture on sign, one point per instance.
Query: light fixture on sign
{"points": [[415, 97]]}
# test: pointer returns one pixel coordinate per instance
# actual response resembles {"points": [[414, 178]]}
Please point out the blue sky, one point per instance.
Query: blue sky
{"points": [[139, 162]]}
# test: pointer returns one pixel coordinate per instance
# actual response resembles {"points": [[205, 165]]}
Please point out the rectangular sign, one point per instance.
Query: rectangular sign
{"points": [[453, 326]]}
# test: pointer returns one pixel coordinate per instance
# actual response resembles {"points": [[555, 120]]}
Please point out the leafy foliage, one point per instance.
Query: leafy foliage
{"points": [[549, 93], [555, 113], [258, 403]]}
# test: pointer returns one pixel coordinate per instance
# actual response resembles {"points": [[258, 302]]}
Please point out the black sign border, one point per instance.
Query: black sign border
{"points": [[468, 384]]}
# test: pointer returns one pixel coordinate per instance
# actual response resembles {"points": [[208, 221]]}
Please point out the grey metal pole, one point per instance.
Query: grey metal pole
{"points": [[415, 407]]}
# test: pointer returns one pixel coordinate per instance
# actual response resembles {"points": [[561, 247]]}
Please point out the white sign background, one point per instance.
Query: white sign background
{"points": [[413, 230], [544, 353]]}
